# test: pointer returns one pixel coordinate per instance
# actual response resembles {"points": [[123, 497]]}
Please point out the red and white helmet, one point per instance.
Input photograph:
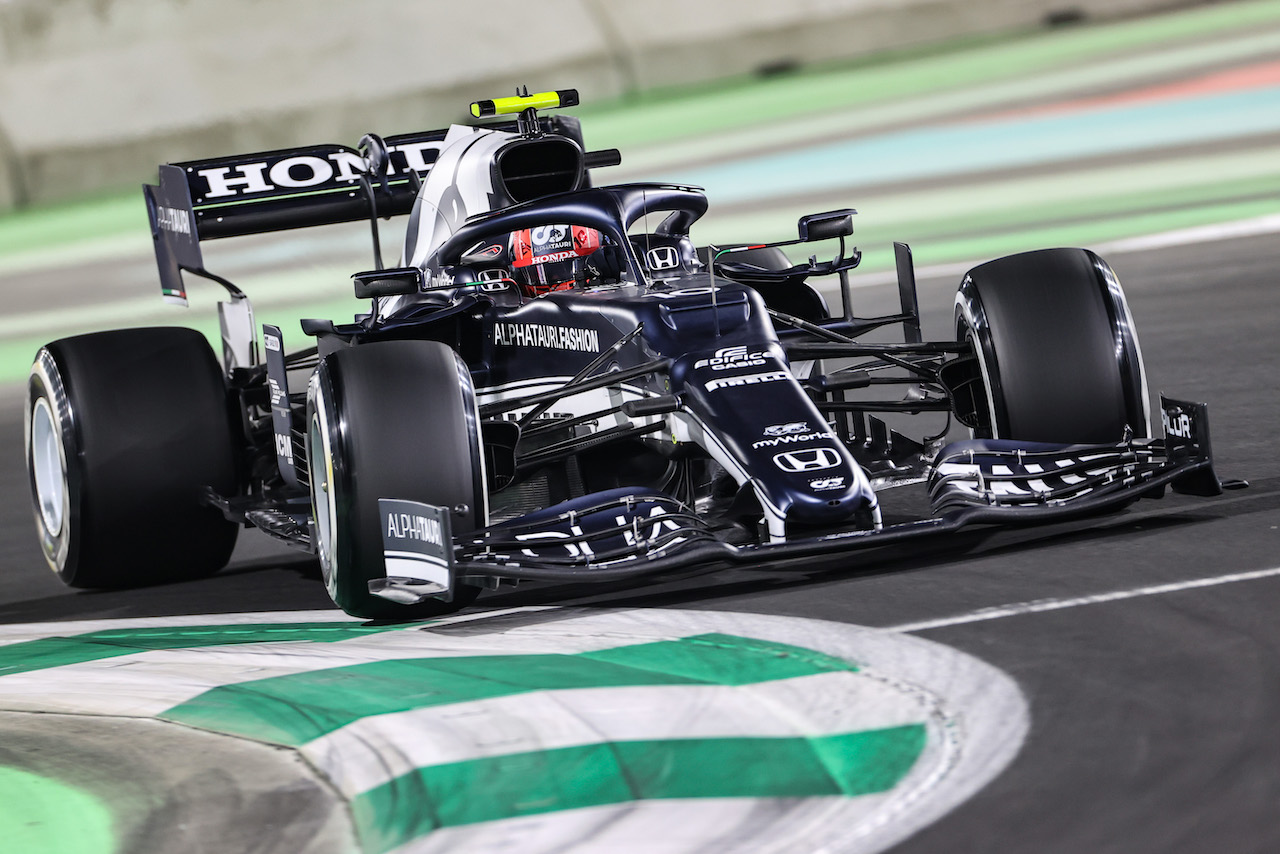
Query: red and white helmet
{"points": [[542, 257]]}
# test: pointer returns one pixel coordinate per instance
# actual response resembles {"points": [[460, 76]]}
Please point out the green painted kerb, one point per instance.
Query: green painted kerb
{"points": [[42, 816], [39, 815], [76, 649], [499, 787], [297, 708]]}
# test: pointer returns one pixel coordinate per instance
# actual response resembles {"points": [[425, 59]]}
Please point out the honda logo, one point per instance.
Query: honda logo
{"points": [[810, 459], [662, 258]]}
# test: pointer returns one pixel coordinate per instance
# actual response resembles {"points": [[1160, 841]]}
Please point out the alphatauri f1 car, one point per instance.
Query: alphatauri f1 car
{"points": [[557, 383]]}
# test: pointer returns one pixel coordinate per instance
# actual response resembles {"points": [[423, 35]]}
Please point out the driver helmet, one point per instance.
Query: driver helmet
{"points": [[542, 258]]}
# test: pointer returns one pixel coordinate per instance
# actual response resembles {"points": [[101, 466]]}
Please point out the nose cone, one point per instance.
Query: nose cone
{"points": [[810, 478], [829, 498]]}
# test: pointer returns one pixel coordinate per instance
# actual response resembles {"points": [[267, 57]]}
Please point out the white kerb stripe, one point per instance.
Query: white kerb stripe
{"points": [[693, 826], [150, 681], [374, 750]]}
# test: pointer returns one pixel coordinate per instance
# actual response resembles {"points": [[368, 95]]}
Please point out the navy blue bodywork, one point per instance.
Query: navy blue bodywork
{"points": [[664, 410], [720, 352]]}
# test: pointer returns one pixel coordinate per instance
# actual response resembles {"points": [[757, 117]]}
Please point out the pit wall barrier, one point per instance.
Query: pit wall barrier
{"points": [[95, 93]]}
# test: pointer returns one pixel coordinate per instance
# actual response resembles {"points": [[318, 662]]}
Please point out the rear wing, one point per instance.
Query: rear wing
{"points": [[288, 188]]}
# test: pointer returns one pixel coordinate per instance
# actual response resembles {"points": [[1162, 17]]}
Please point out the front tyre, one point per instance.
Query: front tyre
{"points": [[1056, 348], [394, 419], [123, 431]]}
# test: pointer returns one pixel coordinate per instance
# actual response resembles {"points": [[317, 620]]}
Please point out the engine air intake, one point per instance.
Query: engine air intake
{"points": [[532, 168]]}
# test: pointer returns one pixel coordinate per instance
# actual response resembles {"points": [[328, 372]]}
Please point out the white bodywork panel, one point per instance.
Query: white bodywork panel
{"points": [[459, 185]]}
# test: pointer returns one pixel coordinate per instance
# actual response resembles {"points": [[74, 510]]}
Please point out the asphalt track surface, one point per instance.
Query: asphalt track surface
{"points": [[1152, 716], [1153, 700]]}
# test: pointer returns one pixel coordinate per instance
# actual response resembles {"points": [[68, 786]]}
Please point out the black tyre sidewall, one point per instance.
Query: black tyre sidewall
{"points": [[401, 423], [1044, 327], [146, 427]]}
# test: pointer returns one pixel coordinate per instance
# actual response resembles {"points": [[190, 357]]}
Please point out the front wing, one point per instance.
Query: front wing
{"points": [[623, 534]]}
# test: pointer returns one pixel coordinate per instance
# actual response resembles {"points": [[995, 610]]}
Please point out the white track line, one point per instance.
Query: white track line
{"points": [[1253, 227], [1039, 605]]}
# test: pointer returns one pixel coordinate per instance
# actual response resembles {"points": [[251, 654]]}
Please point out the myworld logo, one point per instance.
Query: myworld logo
{"points": [[789, 440]]}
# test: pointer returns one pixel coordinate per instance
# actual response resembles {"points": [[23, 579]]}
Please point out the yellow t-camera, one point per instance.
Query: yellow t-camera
{"points": [[520, 103]]}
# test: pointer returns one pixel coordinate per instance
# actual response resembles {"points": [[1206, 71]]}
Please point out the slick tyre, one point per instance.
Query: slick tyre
{"points": [[394, 419], [123, 432], [1056, 349]]}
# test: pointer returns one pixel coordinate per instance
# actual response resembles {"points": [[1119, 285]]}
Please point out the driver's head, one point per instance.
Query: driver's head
{"points": [[542, 257]]}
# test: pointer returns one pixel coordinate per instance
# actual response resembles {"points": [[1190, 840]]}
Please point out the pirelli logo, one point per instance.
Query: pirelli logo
{"points": [[748, 379], [546, 336]]}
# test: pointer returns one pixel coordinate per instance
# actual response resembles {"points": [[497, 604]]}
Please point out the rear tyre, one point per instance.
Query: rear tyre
{"points": [[1056, 348], [123, 432], [394, 419]]}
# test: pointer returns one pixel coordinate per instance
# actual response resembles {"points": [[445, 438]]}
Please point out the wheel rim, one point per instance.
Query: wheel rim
{"points": [[323, 505], [968, 321], [48, 468]]}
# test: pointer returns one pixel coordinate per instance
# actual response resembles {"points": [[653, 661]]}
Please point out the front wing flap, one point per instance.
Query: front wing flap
{"points": [[625, 534], [612, 536]]}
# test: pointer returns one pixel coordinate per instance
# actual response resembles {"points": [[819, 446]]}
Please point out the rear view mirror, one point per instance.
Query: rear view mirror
{"points": [[397, 281], [824, 226], [484, 254]]}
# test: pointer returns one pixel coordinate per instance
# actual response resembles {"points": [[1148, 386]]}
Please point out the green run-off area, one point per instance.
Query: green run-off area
{"points": [[39, 815]]}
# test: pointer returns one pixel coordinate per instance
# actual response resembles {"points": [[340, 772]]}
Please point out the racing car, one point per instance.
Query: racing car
{"points": [[555, 382]]}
